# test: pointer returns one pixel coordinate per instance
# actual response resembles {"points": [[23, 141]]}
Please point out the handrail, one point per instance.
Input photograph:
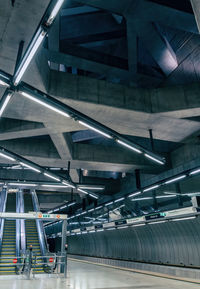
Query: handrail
{"points": [[2, 209]]}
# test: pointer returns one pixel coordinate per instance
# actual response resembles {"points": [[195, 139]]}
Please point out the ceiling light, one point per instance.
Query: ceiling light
{"points": [[119, 200], [195, 172], [162, 197], [175, 179], [71, 204], [108, 204], [129, 146], [4, 101], [154, 159], [134, 194], [7, 157], [142, 199], [22, 184], [151, 188], [54, 186], [157, 222], [55, 11], [98, 208], [2, 83], [93, 196], [30, 53], [30, 167], [182, 219], [95, 129], [100, 230], [110, 229], [139, 225], [91, 210], [33, 98], [52, 177], [82, 191], [91, 188]]}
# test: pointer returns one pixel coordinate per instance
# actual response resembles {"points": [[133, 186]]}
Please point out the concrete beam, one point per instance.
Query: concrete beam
{"points": [[196, 9]]}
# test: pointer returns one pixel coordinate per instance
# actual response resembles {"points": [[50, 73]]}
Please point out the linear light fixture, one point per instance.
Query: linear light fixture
{"points": [[29, 54], [97, 208], [5, 100], [157, 222], [22, 184], [138, 225], [150, 188], [175, 179], [7, 157], [82, 191], [134, 194], [154, 159], [30, 167], [52, 177], [170, 196], [33, 98], [93, 196], [55, 11], [100, 230], [195, 172], [110, 229], [142, 199], [108, 204], [122, 227], [182, 219], [119, 200], [91, 188], [54, 186], [2, 83], [69, 185], [71, 204], [94, 129], [129, 146]]}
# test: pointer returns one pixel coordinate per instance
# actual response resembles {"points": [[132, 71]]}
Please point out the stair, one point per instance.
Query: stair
{"points": [[32, 234], [9, 239]]}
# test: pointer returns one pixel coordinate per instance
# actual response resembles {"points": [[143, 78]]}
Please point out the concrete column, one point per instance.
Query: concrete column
{"points": [[196, 8]]}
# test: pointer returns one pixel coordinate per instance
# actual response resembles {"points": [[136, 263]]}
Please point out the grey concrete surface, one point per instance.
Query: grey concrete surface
{"points": [[89, 276]]}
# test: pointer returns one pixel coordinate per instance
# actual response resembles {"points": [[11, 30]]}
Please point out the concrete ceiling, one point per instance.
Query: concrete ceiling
{"points": [[131, 65]]}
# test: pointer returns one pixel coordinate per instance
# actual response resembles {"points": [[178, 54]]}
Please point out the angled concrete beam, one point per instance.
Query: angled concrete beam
{"points": [[196, 9]]}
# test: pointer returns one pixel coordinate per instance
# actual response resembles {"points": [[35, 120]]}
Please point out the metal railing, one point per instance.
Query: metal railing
{"points": [[30, 264]]}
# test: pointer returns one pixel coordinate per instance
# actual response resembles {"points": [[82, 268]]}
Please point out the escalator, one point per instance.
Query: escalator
{"points": [[32, 234], [8, 248]]}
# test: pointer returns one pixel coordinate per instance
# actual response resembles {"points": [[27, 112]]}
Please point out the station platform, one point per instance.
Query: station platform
{"points": [[90, 276]]}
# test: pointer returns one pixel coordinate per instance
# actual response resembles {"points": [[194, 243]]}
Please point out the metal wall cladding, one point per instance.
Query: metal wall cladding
{"points": [[172, 243]]}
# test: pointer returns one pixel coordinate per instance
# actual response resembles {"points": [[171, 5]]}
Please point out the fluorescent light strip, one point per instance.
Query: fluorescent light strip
{"points": [[195, 172], [97, 208], [45, 104], [129, 146], [52, 177], [22, 184], [6, 101], [100, 230], [3, 83], [150, 188], [71, 204], [119, 200], [69, 185], [91, 188], [110, 229], [138, 225], [154, 159], [94, 129], [93, 231], [30, 167], [175, 179], [93, 196], [142, 199], [7, 157], [55, 11], [108, 204], [134, 194], [54, 186], [157, 222], [82, 191], [31, 53], [162, 197], [91, 210], [182, 219]]}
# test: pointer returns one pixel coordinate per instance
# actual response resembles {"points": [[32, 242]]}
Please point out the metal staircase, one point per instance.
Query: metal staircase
{"points": [[8, 249]]}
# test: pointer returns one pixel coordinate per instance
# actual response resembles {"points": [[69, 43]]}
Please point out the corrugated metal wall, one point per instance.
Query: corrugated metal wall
{"points": [[174, 243]]}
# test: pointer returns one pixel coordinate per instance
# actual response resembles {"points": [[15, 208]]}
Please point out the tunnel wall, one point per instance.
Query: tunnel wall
{"points": [[171, 243]]}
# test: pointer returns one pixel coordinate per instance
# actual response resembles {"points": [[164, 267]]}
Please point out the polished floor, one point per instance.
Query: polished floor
{"points": [[89, 276]]}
